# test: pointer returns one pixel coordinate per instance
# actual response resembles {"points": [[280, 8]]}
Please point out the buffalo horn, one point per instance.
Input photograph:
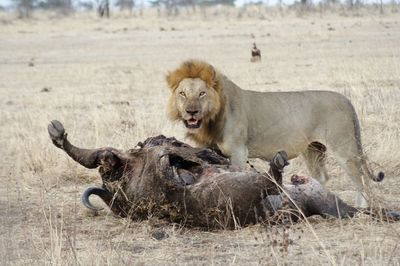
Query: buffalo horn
{"points": [[104, 194]]}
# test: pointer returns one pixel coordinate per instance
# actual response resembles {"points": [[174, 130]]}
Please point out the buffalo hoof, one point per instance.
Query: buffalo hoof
{"points": [[57, 133], [280, 160]]}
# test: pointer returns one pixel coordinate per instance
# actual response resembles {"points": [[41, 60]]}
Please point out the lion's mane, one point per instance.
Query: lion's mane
{"points": [[214, 122]]}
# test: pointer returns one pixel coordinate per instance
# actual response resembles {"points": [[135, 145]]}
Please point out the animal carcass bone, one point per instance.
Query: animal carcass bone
{"points": [[165, 178]]}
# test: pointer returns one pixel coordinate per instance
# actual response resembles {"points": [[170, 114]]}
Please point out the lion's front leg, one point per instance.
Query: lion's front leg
{"points": [[239, 156], [236, 152]]}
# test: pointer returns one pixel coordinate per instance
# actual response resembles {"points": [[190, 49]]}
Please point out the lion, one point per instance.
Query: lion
{"points": [[246, 124]]}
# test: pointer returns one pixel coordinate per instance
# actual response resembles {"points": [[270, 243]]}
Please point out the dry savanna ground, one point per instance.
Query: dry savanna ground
{"points": [[104, 79]]}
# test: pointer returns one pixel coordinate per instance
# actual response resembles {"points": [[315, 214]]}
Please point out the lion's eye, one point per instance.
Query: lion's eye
{"points": [[202, 93], [182, 93]]}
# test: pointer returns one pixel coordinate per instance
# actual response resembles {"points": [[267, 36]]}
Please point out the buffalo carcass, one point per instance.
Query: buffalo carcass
{"points": [[165, 178]]}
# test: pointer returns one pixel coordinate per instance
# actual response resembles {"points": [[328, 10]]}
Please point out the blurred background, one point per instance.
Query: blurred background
{"points": [[25, 8]]}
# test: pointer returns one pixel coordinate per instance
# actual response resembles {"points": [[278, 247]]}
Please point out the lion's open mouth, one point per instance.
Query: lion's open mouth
{"points": [[192, 123]]}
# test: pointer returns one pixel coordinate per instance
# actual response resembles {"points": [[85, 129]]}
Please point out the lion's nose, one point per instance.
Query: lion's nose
{"points": [[192, 112]]}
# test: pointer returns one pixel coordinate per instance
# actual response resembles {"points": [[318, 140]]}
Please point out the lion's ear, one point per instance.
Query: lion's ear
{"points": [[213, 75], [171, 80], [209, 75], [213, 79]]}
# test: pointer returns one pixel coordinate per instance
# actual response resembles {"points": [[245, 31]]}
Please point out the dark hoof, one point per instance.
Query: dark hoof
{"points": [[280, 160], [57, 133]]}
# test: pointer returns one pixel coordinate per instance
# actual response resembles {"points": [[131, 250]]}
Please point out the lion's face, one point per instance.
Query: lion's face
{"points": [[194, 103]]}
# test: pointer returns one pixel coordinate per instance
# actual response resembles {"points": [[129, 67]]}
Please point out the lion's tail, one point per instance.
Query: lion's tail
{"points": [[368, 172], [364, 164]]}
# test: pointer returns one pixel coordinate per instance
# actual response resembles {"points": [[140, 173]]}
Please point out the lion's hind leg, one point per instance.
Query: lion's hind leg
{"points": [[315, 160], [353, 169], [350, 157]]}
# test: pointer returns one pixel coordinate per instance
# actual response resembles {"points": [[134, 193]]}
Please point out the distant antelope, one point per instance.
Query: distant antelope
{"points": [[255, 54]]}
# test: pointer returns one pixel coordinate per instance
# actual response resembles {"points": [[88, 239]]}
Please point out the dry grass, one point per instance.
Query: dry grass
{"points": [[106, 84]]}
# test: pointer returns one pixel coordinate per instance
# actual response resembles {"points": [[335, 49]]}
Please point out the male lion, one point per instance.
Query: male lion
{"points": [[242, 123]]}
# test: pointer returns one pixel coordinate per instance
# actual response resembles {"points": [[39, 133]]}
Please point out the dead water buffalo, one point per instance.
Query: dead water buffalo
{"points": [[165, 178]]}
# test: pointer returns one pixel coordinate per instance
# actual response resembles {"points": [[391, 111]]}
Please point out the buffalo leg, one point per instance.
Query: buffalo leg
{"points": [[305, 194], [90, 158], [312, 198], [308, 195], [276, 165]]}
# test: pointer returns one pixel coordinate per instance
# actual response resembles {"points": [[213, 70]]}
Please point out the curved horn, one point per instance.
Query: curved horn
{"points": [[104, 194]]}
